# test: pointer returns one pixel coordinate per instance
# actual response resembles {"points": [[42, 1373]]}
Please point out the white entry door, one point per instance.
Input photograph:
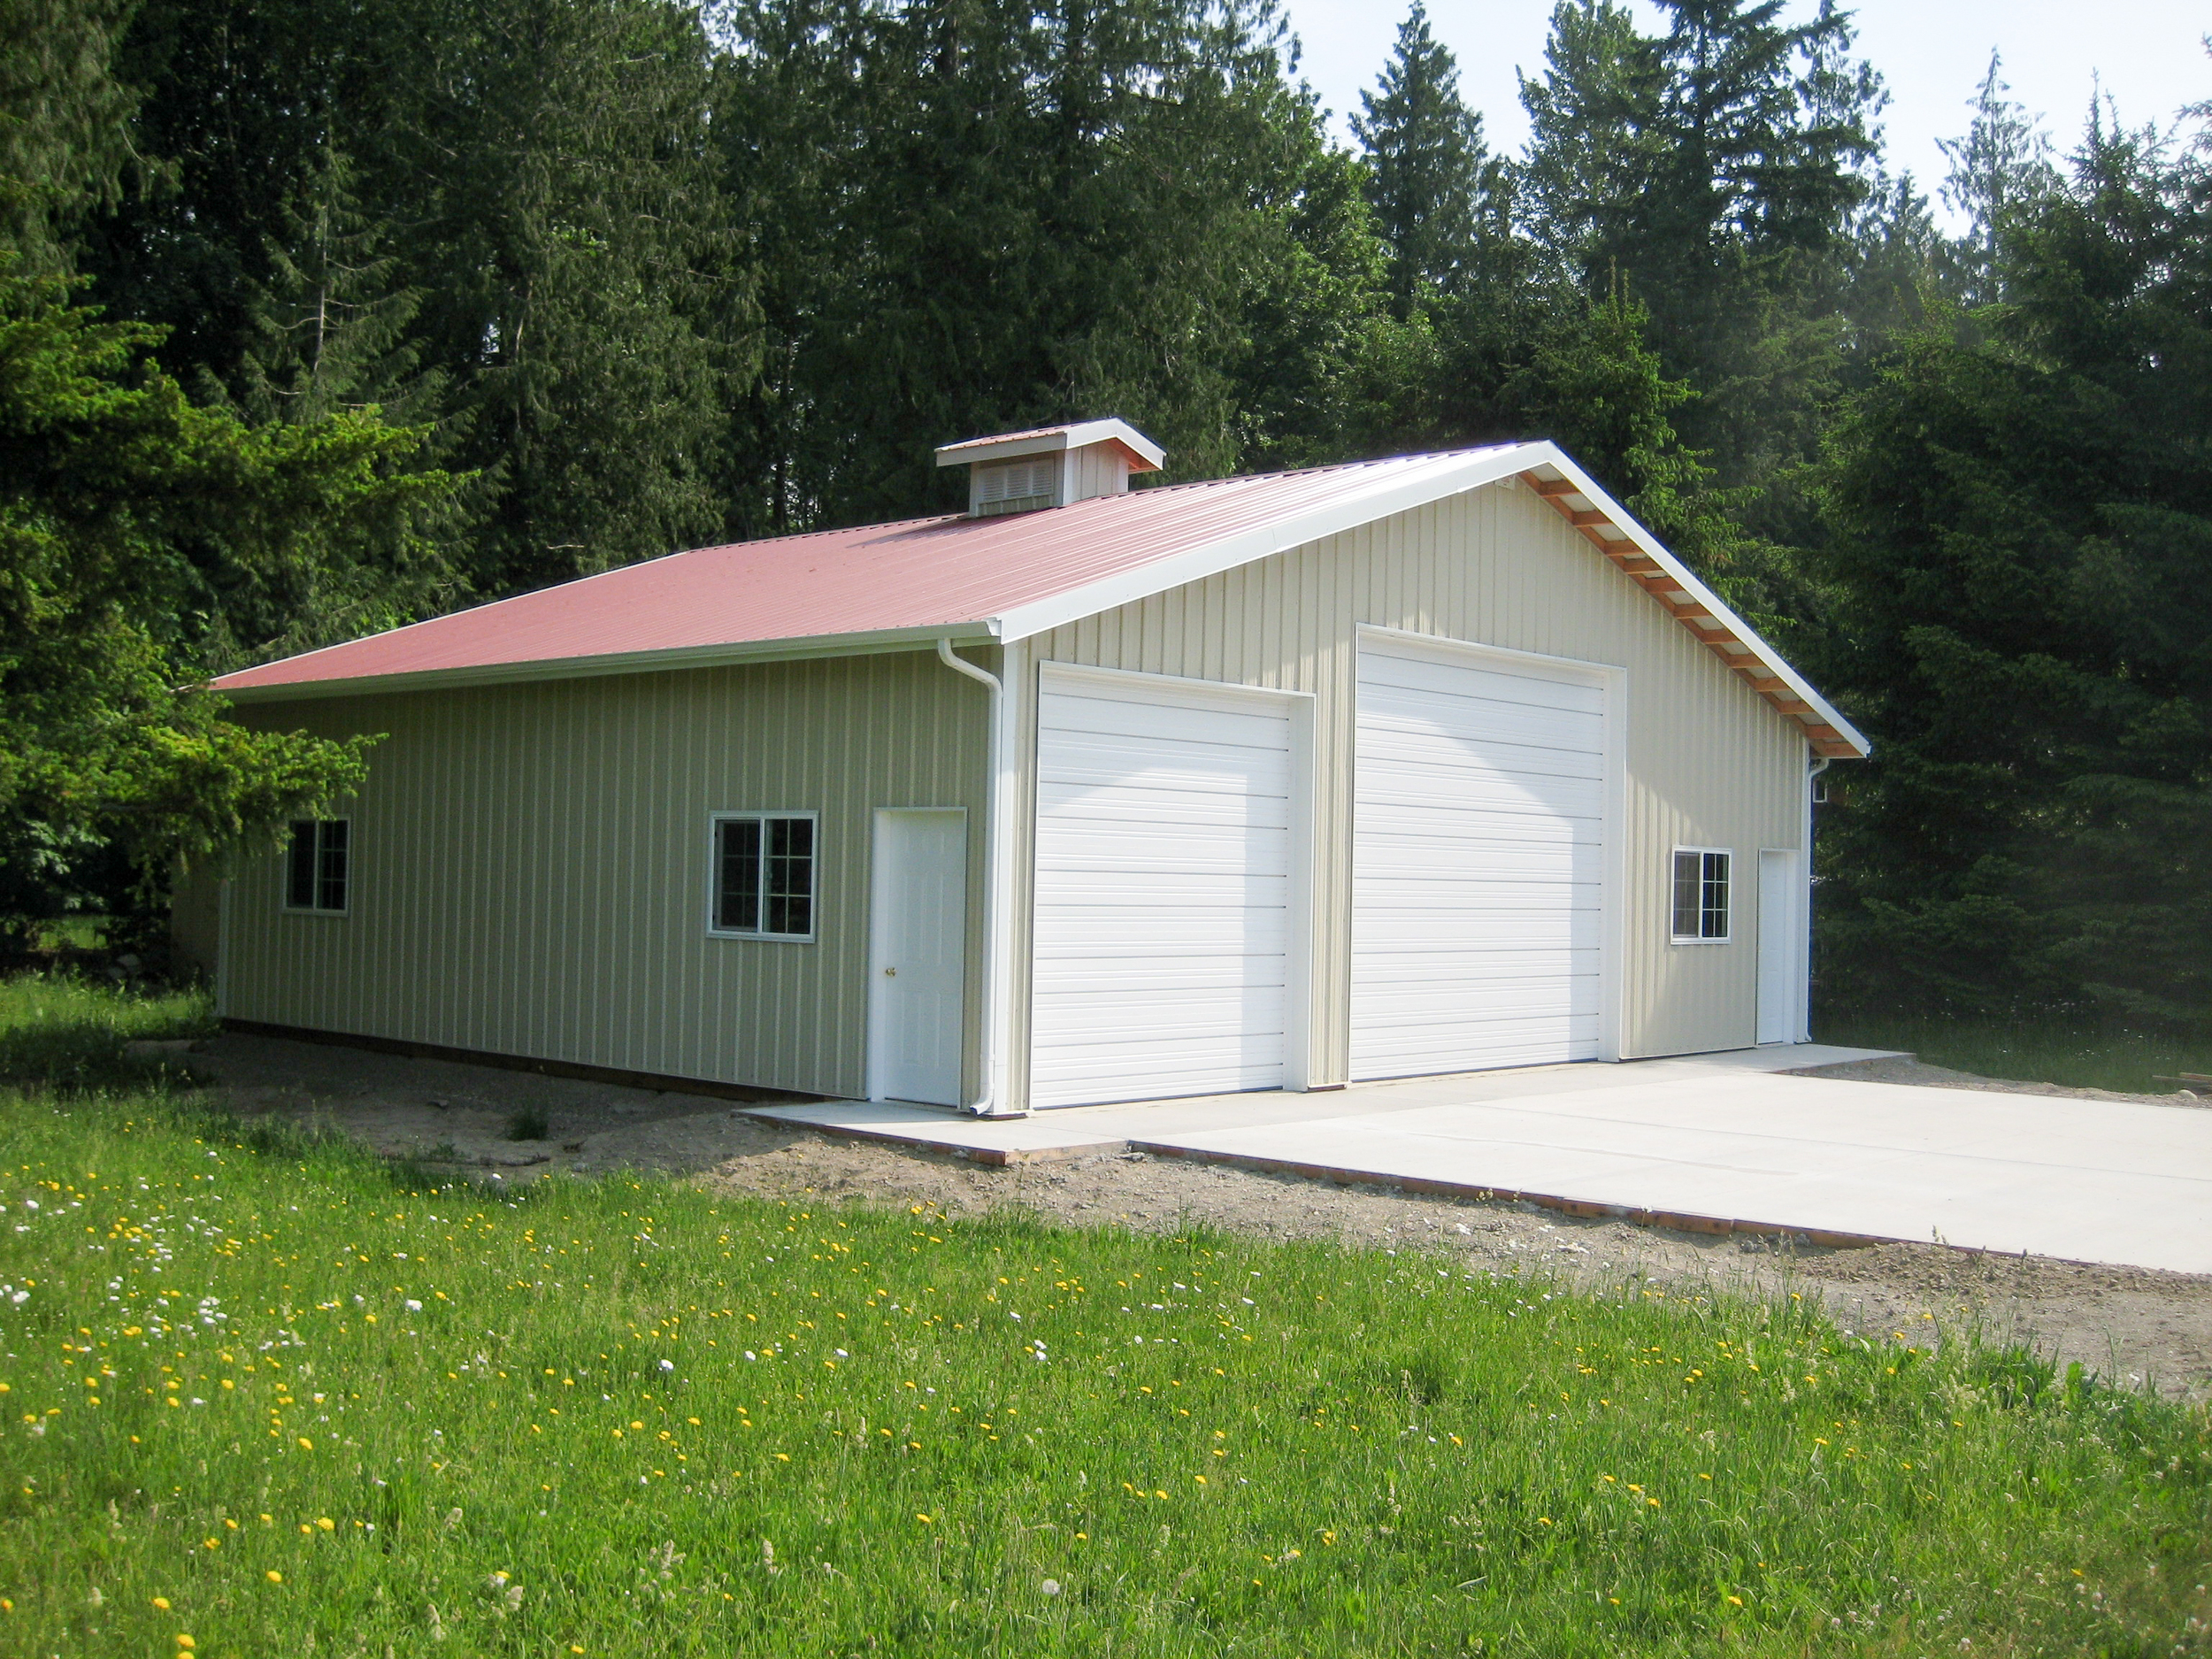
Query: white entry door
{"points": [[1164, 901], [1781, 911], [1479, 860], [920, 976]]}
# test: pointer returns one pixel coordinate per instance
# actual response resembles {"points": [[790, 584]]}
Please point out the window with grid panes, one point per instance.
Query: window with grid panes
{"points": [[1700, 896], [765, 874], [315, 870]]}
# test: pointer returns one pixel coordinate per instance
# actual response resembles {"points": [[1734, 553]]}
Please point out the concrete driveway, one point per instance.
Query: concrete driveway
{"points": [[1722, 1141]]}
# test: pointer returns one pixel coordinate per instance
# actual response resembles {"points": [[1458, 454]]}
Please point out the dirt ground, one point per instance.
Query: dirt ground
{"points": [[2135, 1326]]}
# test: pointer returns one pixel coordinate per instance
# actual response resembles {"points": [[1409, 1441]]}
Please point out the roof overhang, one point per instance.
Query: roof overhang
{"points": [[872, 644], [1638, 554]]}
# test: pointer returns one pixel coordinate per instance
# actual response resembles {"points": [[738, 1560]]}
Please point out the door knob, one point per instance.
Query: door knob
{"points": [[890, 973]]}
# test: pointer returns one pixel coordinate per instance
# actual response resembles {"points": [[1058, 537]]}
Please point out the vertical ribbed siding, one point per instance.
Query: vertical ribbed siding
{"points": [[531, 867], [1708, 761]]}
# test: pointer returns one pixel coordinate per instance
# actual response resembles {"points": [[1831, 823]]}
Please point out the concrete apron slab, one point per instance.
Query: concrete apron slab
{"points": [[1714, 1143], [1071, 1131]]}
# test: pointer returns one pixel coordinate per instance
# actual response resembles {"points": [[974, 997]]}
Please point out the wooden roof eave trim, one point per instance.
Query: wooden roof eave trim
{"points": [[1634, 552]]}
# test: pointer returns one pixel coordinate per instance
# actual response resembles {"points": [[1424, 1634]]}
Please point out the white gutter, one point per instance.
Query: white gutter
{"points": [[997, 860]]}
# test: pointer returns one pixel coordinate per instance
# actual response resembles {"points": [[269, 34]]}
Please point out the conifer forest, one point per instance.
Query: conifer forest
{"points": [[319, 318]]}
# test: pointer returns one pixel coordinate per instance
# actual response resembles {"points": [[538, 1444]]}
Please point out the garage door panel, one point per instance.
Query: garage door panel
{"points": [[1415, 933], [1164, 809], [1554, 1042], [1162, 897], [1222, 933], [1480, 723], [1411, 858], [1085, 716], [1398, 805], [1419, 743], [1478, 865], [1383, 671], [1431, 1004], [1073, 837]]}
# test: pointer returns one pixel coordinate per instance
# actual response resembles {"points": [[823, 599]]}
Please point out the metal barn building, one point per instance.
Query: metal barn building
{"points": [[1418, 766]]}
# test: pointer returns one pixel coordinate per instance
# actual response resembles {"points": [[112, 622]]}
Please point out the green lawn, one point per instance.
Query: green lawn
{"points": [[2132, 1062], [338, 1413]]}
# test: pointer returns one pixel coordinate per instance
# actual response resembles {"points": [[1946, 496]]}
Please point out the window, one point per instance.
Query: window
{"points": [[763, 875], [1700, 896], [315, 866]]}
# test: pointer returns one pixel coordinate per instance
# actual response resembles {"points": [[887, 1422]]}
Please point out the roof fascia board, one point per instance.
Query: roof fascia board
{"points": [[1649, 544], [1013, 450], [872, 644], [1147, 455], [1447, 476]]}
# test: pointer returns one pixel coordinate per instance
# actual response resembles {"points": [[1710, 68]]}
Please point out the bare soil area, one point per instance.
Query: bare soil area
{"points": [[2133, 1325]]}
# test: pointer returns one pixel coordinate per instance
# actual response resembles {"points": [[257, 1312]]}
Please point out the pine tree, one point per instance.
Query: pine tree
{"points": [[2000, 166], [63, 150], [2023, 529], [1427, 165]]}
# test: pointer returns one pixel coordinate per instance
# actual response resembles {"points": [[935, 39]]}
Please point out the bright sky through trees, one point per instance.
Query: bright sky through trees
{"points": [[2149, 54]]}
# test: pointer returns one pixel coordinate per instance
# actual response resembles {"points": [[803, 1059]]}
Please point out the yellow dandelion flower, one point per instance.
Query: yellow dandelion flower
{"points": [[275, 1577]]}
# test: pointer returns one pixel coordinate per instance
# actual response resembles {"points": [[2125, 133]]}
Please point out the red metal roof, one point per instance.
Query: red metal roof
{"points": [[871, 579]]}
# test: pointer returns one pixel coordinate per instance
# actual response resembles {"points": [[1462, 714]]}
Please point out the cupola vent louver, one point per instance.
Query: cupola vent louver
{"points": [[1051, 466], [1016, 486]]}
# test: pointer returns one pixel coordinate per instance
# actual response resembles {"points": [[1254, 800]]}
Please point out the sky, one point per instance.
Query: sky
{"points": [[2148, 55]]}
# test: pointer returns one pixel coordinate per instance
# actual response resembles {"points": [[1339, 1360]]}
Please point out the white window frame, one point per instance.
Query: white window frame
{"points": [[284, 871], [1728, 914], [714, 874]]}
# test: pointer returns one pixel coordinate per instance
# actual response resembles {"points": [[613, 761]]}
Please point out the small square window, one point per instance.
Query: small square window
{"points": [[1700, 896], [763, 875], [316, 865]]}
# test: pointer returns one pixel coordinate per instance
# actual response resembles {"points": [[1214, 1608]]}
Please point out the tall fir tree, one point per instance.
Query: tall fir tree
{"points": [[1428, 167], [2021, 505], [2001, 166]]}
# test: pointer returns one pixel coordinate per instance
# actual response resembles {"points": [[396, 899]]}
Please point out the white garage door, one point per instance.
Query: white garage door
{"points": [[1162, 918], [1478, 861]]}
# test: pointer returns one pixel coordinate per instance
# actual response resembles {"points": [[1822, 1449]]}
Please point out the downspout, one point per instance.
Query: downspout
{"points": [[994, 855], [1819, 765]]}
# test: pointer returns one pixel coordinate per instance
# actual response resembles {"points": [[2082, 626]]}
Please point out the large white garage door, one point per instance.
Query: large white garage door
{"points": [[1163, 917], [1478, 861]]}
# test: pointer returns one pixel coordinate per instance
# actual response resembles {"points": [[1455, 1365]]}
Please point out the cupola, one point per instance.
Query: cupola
{"points": [[1050, 466]]}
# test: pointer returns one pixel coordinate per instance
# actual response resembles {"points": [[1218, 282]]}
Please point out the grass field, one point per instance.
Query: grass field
{"points": [[2131, 1063], [267, 1394]]}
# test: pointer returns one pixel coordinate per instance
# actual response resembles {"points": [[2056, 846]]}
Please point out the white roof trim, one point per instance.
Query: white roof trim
{"points": [[1395, 489], [867, 644], [1051, 441], [1625, 522]]}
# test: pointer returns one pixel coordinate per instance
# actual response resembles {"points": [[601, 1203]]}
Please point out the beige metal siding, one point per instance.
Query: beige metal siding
{"points": [[1708, 761], [530, 867]]}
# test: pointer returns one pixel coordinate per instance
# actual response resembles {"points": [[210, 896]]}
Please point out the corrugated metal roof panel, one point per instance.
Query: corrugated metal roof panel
{"points": [[949, 572]]}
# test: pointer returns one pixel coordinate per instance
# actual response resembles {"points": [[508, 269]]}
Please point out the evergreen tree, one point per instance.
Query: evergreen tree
{"points": [[1715, 173], [62, 111], [2023, 514], [2002, 166], [537, 182], [1427, 165], [1001, 213]]}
